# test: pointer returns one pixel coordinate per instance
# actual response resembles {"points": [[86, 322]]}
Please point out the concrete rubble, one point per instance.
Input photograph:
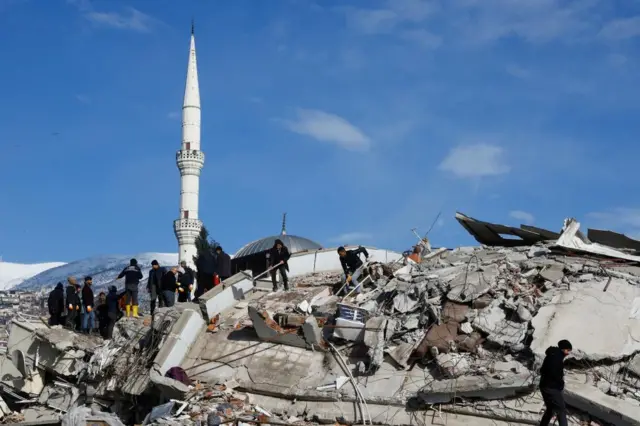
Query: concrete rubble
{"points": [[454, 339]]}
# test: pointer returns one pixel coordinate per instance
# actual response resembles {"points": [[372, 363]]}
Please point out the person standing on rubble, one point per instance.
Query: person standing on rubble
{"points": [[186, 278], [101, 314], [170, 286], [552, 383], [278, 260], [206, 267], [55, 303], [223, 267], [73, 303], [351, 265], [113, 311], [88, 315], [132, 276], [154, 285]]}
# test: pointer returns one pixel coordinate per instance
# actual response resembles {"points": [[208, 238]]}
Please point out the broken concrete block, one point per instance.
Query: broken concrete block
{"points": [[452, 364], [349, 330], [523, 314], [482, 302], [468, 286], [439, 336], [455, 312], [469, 343], [312, 332], [401, 354], [226, 295], [466, 328], [611, 334], [442, 391], [492, 320], [183, 335], [553, 273]]}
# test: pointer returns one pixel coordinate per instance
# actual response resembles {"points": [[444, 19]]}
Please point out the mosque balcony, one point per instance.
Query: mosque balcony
{"points": [[190, 162], [187, 230]]}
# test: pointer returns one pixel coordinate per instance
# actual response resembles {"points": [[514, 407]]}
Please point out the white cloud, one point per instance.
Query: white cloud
{"points": [[619, 218], [327, 127], [423, 37], [174, 115], [351, 238], [518, 72], [84, 99], [526, 217], [131, 19], [621, 29], [475, 161]]}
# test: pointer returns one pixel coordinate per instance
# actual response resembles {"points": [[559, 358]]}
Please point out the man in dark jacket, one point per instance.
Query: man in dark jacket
{"points": [[88, 315], [186, 278], [206, 267], [278, 260], [73, 303], [223, 264], [113, 311], [154, 285], [102, 314], [55, 303], [169, 286], [352, 265], [132, 276], [552, 383]]}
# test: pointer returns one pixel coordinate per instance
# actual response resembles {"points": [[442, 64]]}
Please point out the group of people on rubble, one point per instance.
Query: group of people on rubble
{"points": [[76, 307]]}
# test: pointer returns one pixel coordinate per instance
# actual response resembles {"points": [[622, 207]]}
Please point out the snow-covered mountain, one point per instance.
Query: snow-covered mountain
{"points": [[13, 274], [103, 270]]}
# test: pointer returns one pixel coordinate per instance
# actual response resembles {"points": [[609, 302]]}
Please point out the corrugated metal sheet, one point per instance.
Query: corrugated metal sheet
{"points": [[294, 244]]}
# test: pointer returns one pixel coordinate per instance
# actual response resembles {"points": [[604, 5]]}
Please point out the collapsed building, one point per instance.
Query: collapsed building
{"points": [[454, 339]]}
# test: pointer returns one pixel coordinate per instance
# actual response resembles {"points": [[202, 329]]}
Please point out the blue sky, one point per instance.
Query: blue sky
{"points": [[360, 119]]}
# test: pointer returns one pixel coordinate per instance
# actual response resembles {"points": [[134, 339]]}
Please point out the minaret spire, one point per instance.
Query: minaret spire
{"points": [[190, 160], [193, 27], [284, 224]]}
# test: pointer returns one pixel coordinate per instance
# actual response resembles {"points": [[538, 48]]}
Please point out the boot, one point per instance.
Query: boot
{"points": [[135, 311], [128, 311]]}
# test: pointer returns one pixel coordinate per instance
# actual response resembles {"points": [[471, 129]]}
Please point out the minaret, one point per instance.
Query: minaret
{"points": [[190, 161]]}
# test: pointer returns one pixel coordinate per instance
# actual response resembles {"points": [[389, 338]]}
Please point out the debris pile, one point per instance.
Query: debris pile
{"points": [[454, 338]]}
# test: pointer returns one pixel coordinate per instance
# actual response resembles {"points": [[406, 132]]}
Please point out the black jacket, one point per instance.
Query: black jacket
{"points": [[87, 296], [72, 297], [352, 260], [102, 312], [186, 278], [276, 256], [169, 282], [206, 264], [112, 300], [552, 370], [132, 275], [56, 300], [155, 278], [223, 265]]}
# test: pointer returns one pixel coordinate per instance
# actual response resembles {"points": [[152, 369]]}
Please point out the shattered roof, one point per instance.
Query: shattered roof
{"points": [[294, 243]]}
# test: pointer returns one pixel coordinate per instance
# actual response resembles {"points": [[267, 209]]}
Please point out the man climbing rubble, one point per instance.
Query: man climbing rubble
{"points": [[132, 276], [552, 383], [352, 266], [278, 257]]}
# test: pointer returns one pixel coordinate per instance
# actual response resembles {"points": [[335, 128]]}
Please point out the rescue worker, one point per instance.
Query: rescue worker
{"points": [[552, 383], [186, 278], [223, 267], [278, 257], [55, 304], [351, 265], [154, 285], [73, 303], [88, 315], [132, 276], [416, 254], [170, 286]]}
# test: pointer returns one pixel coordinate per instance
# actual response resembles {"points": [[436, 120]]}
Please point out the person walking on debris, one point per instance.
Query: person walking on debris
{"points": [[101, 313], [351, 265], [154, 285], [55, 303], [552, 383], [113, 311], [186, 278], [223, 268], [170, 286], [278, 257], [88, 315], [73, 303], [132, 276]]}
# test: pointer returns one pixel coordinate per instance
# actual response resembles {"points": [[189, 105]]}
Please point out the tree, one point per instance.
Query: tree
{"points": [[205, 246]]}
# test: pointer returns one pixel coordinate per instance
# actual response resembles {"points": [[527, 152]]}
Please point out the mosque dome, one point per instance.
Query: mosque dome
{"points": [[294, 243]]}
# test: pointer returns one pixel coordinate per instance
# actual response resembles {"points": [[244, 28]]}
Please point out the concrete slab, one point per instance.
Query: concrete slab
{"points": [[182, 336], [484, 387], [469, 286], [225, 295], [611, 332]]}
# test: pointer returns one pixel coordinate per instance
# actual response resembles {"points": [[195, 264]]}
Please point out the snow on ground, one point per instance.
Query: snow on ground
{"points": [[13, 274]]}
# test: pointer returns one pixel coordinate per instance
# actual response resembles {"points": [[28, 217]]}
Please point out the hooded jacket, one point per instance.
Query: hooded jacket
{"points": [[56, 300], [112, 300], [351, 262], [132, 275], [223, 267], [155, 278], [276, 256], [552, 370]]}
